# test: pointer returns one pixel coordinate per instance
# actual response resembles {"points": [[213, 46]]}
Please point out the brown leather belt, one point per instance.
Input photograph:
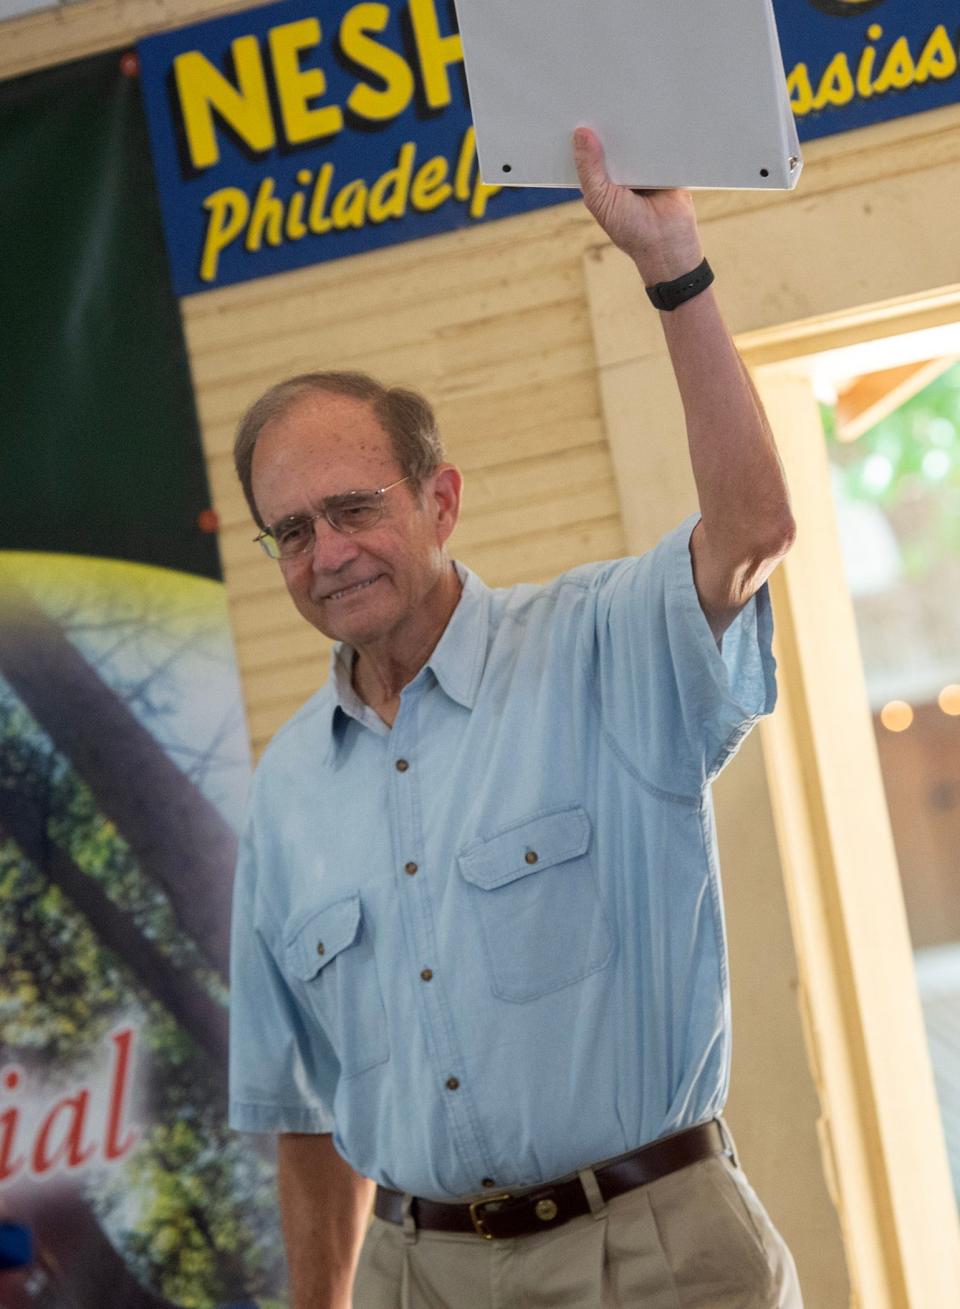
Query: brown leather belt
{"points": [[504, 1214]]}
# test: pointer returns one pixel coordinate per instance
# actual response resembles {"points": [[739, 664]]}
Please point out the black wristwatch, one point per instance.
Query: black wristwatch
{"points": [[668, 295]]}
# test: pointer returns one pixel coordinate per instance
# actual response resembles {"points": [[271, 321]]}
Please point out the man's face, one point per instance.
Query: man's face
{"points": [[372, 585]]}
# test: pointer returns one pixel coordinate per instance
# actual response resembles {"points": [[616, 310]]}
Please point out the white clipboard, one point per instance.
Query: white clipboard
{"points": [[685, 93]]}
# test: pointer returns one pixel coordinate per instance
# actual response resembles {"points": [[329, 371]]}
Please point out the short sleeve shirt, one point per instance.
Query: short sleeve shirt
{"points": [[487, 944]]}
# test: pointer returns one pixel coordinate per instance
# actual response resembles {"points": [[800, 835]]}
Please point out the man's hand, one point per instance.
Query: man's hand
{"points": [[657, 229]]}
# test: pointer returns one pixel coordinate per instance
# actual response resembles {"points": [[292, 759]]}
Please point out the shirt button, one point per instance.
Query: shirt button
{"points": [[426, 974], [488, 1182], [321, 948], [452, 1083], [401, 765], [410, 868], [531, 856]]}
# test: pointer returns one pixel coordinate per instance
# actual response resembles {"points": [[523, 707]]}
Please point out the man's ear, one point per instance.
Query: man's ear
{"points": [[446, 492]]}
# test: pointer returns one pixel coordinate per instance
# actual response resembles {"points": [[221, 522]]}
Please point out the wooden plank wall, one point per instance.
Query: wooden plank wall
{"points": [[71, 31], [492, 323]]}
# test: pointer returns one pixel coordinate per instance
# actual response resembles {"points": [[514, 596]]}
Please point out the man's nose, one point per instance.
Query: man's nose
{"points": [[332, 549]]}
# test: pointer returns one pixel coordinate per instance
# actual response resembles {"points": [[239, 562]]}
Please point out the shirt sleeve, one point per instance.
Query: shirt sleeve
{"points": [[282, 1075], [675, 705]]}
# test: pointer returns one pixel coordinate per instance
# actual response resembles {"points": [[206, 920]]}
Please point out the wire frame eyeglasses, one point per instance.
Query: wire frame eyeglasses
{"points": [[354, 511]]}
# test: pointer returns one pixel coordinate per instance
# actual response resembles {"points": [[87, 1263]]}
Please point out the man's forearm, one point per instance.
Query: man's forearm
{"points": [[746, 524], [740, 484], [324, 1205]]}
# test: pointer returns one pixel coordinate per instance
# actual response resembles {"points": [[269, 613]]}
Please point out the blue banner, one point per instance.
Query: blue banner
{"points": [[850, 63], [315, 129], [303, 131]]}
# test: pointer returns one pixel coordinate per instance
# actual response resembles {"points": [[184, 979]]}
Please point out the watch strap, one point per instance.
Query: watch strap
{"points": [[668, 295]]}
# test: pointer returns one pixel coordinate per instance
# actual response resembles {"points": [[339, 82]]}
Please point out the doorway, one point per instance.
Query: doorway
{"points": [[863, 764]]}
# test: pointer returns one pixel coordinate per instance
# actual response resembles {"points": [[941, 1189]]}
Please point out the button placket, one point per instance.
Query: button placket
{"points": [[414, 894]]}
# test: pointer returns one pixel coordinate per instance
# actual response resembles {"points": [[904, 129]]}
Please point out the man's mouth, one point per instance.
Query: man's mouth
{"points": [[350, 590]]}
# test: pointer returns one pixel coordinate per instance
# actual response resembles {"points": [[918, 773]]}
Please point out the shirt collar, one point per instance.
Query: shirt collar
{"points": [[457, 661]]}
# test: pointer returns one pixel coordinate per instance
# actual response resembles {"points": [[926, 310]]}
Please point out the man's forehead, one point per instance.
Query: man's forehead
{"points": [[322, 445], [326, 432], [325, 413]]}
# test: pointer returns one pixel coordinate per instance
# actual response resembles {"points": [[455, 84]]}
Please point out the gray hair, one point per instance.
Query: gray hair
{"points": [[406, 417]]}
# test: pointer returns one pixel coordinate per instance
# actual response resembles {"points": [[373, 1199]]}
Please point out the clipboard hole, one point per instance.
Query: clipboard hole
{"points": [[764, 172], [508, 168]]}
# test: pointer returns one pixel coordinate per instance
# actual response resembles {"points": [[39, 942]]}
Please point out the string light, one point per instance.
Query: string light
{"points": [[896, 716], [949, 700]]}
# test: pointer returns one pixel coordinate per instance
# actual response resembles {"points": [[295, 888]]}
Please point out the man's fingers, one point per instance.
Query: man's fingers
{"points": [[590, 164]]}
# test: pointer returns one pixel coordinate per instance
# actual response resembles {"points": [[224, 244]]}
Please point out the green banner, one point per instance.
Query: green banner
{"points": [[101, 448]]}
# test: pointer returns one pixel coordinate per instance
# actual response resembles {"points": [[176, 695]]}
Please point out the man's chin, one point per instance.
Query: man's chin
{"points": [[352, 629]]}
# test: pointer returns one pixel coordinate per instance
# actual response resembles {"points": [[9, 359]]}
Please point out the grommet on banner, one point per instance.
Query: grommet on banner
{"points": [[130, 63]]}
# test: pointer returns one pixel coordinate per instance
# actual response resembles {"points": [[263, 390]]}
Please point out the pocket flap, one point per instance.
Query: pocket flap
{"points": [[525, 847], [320, 936]]}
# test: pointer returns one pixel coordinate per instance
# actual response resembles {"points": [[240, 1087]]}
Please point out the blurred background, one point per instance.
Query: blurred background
{"points": [[891, 418]]}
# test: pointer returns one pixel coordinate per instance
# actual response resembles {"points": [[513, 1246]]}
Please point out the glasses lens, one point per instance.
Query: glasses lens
{"points": [[292, 537], [268, 545], [352, 513]]}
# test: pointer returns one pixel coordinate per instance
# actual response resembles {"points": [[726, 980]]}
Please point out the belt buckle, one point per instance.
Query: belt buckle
{"points": [[477, 1219]]}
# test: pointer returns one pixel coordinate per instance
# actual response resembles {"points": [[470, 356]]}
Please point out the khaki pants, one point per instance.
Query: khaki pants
{"points": [[696, 1239]]}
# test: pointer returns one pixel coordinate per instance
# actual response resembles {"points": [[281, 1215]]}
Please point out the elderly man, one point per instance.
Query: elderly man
{"points": [[479, 963]]}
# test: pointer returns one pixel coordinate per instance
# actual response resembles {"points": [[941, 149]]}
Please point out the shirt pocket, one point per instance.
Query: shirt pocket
{"points": [[536, 898], [330, 953]]}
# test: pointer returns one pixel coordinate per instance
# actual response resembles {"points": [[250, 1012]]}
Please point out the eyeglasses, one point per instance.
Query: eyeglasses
{"points": [[354, 511]]}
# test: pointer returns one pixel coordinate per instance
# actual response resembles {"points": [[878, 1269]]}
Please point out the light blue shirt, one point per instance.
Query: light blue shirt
{"points": [[487, 944]]}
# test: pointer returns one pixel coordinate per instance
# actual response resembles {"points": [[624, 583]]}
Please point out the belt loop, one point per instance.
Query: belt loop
{"points": [[588, 1180], [731, 1148], [409, 1222]]}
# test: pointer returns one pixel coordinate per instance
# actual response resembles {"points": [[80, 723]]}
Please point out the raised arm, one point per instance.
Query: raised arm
{"points": [[324, 1205], [746, 525]]}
